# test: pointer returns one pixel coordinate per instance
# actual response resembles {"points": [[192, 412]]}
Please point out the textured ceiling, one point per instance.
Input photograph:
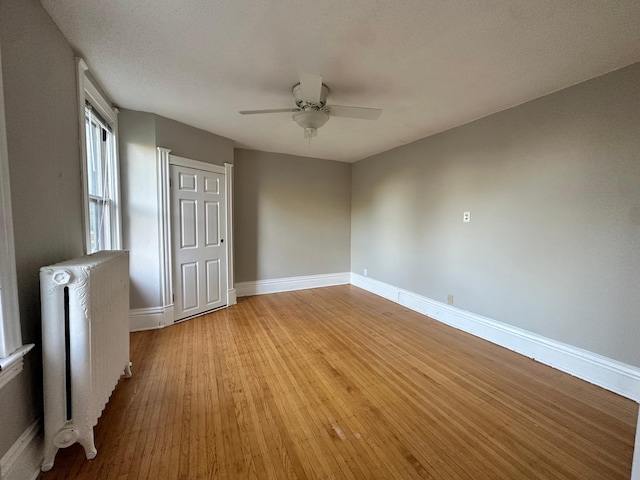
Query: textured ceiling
{"points": [[430, 65]]}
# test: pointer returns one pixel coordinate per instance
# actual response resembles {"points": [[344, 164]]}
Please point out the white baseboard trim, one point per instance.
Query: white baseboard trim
{"points": [[141, 319], [602, 371], [146, 319], [22, 461], [276, 285], [232, 297]]}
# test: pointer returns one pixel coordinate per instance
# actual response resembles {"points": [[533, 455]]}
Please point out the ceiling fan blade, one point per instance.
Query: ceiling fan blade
{"points": [[272, 110], [310, 87], [355, 112]]}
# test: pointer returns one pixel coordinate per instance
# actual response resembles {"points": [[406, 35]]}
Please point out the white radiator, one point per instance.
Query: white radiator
{"points": [[85, 345]]}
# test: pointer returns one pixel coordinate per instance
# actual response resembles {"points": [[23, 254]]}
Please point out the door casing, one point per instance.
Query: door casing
{"points": [[164, 160]]}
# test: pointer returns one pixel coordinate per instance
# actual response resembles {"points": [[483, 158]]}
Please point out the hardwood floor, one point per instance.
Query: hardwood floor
{"points": [[339, 383]]}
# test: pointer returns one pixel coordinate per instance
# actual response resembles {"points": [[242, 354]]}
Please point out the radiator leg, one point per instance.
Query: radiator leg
{"points": [[86, 440], [49, 457], [127, 370]]}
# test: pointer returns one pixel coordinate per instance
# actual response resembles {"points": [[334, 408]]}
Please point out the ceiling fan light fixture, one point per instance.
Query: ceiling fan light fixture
{"points": [[311, 121]]}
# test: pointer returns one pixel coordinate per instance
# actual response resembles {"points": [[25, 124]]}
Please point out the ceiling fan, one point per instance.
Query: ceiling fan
{"points": [[312, 111]]}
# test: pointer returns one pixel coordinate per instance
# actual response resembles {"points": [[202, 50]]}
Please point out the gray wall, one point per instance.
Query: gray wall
{"points": [[553, 187], [139, 196], [139, 135], [44, 166], [190, 142], [291, 215]]}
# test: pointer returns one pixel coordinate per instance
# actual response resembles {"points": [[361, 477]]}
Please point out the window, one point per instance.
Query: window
{"points": [[100, 166], [101, 182], [11, 348]]}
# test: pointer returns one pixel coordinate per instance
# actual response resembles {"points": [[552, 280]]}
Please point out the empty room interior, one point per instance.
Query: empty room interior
{"points": [[365, 239]]}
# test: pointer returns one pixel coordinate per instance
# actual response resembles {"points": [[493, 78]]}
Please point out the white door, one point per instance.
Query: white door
{"points": [[198, 216]]}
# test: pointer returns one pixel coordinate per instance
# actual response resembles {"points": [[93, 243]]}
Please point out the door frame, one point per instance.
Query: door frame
{"points": [[164, 159]]}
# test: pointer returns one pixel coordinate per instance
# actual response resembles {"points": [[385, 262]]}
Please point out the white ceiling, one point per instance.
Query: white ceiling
{"points": [[430, 65]]}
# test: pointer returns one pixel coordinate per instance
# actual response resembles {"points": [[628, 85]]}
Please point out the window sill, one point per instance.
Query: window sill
{"points": [[12, 365]]}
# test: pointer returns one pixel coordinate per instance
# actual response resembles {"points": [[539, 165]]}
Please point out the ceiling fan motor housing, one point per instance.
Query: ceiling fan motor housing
{"points": [[303, 104]]}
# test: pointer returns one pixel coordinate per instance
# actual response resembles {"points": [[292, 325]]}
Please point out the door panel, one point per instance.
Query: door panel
{"points": [[212, 185], [190, 286], [188, 182], [198, 210], [212, 224], [188, 230], [213, 281]]}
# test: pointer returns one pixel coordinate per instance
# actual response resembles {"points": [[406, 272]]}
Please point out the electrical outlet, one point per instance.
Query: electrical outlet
{"points": [[466, 217], [365, 272], [450, 299]]}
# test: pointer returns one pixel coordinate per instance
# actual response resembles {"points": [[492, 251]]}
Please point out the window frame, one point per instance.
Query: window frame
{"points": [[89, 91], [104, 199], [12, 350]]}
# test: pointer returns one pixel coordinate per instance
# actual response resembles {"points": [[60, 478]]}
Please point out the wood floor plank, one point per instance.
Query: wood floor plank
{"points": [[336, 383]]}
